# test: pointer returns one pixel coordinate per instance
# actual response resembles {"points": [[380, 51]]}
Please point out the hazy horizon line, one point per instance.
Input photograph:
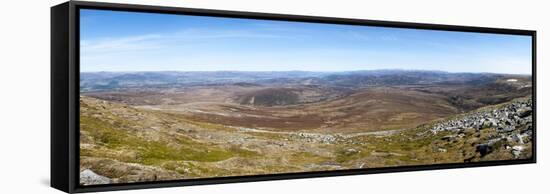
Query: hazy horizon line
{"points": [[343, 71]]}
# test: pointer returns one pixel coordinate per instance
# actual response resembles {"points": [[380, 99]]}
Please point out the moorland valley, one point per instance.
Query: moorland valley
{"points": [[148, 126]]}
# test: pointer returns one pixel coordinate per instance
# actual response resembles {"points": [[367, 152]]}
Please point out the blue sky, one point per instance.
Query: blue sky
{"points": [[130, 41]]}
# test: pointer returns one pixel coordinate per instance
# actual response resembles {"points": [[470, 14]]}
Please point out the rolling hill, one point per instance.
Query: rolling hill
{"points": [[147, 126]]}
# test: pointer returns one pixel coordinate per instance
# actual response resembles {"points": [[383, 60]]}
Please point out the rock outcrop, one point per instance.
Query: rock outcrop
{"points": [[121, 172], [512, 121], [88, 177], [505, 118]]}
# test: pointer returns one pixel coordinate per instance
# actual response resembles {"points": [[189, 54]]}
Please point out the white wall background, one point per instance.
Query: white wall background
{"points": [[25, 98]]}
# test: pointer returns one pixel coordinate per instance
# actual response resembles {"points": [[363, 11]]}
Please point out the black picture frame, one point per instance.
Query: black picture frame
{"points": [[65, 94]]}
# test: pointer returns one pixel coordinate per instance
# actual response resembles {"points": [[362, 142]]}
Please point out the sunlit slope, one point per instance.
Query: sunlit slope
{"points": [[124, 144]]}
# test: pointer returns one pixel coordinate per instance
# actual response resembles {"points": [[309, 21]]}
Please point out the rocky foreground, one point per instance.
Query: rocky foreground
{"points": [[512, 124], [121, 144]]}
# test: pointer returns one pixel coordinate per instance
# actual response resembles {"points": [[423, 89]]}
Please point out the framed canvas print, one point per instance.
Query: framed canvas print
{"points": [[147, 96]]}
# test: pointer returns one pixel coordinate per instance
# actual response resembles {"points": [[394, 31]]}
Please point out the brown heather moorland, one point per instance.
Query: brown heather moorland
{"points": [[138, 132]]}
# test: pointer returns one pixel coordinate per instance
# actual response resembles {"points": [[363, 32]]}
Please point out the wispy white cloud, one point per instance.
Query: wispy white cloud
{"points": [[359, 36], [121, 43], [158, 41]]}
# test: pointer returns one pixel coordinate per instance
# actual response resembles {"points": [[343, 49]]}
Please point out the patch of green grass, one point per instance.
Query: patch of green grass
{"points": [[114, 137], [103, 133], [343, 155], [305, 158], [199, 124], [155, 152]]}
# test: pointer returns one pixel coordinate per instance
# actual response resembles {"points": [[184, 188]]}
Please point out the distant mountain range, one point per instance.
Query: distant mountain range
{"points": [[95, 81]]}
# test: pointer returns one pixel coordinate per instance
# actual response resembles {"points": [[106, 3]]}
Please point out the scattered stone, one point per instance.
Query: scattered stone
{"points": [[483, 149], [486, 124], [518, 138], [517, 150], [88, 177], [524, 112], [448, 137], [351, 151], [528, 130], [505, 119], [505, 129], [318, 138]]}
